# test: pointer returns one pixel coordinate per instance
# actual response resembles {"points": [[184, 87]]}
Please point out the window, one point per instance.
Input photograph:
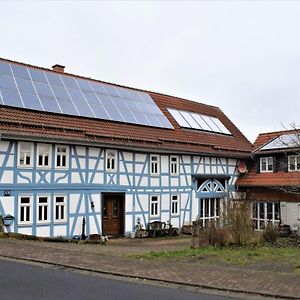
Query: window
{"points": [[60, 208], [174, 165], [154, 165], [154, 206], [43, 209], [25, 154], [25, 209], [294, 163], [61, 156], [210, 210], [174, 205], [265, 212], [111, 160], [266, 164], [43, 155]]}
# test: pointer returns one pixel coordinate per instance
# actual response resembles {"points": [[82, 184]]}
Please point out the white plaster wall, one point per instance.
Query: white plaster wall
{"points": [[129, 226], [174, 182], [128, 156], [175, 221], [8, 205], [129, 203], [96, 198], [94, 152], [144, 203], [43, 231], [164, 180], [60, 230], [164, 164], [154, 181], [124, 180], [25, 230], [98, 178], [165, 216], [75, 177], [74, 198], [165, 202], [140, 157], [7, 177], [80, 150]]}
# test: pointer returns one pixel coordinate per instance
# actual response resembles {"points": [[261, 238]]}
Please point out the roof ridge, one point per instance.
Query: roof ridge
{"points": [[279, 131]]}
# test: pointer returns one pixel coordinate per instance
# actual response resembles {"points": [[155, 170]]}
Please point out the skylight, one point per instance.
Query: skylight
{"points": [[291, 140], [197, 121]]}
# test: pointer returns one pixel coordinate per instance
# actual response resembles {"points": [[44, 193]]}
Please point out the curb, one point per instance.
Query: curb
{"points": [[113, 273]]}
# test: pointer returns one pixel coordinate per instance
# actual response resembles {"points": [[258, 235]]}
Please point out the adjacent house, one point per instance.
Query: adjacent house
{"points": [[272, 182], [73, 147]]}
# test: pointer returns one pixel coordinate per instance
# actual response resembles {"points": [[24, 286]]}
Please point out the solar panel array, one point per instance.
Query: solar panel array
{"points": [[31, 88], [283, 141], [198, 121]]}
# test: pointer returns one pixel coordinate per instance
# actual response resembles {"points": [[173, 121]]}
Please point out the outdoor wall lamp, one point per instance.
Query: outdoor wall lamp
{"points": [[8, 220]]}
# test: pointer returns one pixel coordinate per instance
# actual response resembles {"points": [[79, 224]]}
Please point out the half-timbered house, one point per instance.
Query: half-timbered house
{"points": [[73, 147]]}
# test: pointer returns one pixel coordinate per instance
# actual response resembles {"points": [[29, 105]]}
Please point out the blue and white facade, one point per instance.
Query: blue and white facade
{"points": [[50, 187]]}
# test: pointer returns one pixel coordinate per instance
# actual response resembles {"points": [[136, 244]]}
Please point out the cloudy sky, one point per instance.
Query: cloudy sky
{"points": [[243, 56]]}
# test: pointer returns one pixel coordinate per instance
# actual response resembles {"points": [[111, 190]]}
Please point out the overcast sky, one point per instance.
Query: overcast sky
{"points": [[241, 56]]}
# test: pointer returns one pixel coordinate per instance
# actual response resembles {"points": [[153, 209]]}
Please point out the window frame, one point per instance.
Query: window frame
{"points": [[174, 163], [111, 160], [43, 221], [66, 154], [30, 165], [259, 222], [217, 210], [177, 205], [267, 164], [157, 204], [60, 220], [43, 166], [153, 163], [295, 157], [30, 211]]}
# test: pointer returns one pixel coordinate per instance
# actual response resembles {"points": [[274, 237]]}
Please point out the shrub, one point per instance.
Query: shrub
{"points": [[212, 235], [270, 234], [237, 219]]}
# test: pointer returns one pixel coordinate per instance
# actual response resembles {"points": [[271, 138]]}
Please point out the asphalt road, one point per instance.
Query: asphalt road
{"points": [[26, 281]]}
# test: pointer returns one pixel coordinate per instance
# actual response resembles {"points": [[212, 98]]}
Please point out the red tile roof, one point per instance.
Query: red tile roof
{"points": [[280, 178], [24, 123], [268, 179], [264, 138]]}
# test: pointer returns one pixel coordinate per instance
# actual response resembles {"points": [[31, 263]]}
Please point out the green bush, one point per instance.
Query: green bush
{"points": [[270, 234]]}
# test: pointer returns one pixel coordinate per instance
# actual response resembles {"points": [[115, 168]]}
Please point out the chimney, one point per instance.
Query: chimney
{"points": [[58, 68]]}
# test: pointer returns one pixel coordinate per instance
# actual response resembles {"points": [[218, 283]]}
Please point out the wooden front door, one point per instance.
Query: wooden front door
{"points": [[113, 214]]}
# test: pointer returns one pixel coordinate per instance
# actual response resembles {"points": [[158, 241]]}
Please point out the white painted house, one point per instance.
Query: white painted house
{"points": [[73, 148]]}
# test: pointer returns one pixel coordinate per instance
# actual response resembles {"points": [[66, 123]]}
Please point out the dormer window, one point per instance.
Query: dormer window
{"points": [[266, 164], [294, 163]]}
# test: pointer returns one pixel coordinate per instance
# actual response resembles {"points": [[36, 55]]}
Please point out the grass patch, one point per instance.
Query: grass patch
{"points": [[233, 255]]}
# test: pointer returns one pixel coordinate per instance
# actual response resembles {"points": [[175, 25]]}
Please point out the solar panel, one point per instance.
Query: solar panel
{"points": [[193, 120], [30, 88], [283, 141]]}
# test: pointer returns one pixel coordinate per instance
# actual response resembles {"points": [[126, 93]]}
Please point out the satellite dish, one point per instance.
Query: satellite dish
{"points": [[242, 167]]}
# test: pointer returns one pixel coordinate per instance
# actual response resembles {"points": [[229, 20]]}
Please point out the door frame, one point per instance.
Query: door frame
{"points": [[122, 211]]}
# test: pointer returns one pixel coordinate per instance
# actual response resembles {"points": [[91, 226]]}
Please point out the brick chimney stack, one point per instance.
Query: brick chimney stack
{"points": [[58, 68]]}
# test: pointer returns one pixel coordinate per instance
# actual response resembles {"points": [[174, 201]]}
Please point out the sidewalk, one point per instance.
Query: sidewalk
{"points": [[113, 258]]}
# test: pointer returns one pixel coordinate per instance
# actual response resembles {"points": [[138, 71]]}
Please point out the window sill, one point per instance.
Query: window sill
{"points": [[25, 167], [58, 222], [24, 224], [43, 223]]}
